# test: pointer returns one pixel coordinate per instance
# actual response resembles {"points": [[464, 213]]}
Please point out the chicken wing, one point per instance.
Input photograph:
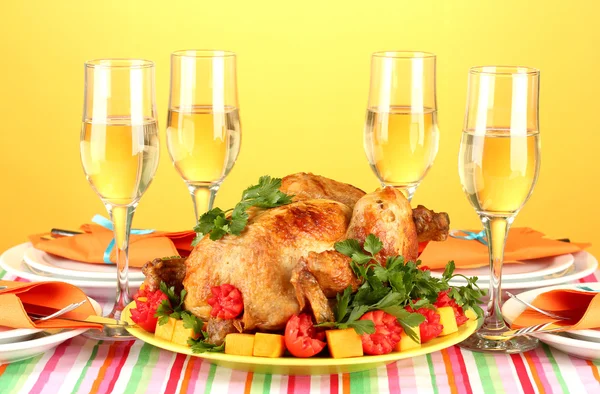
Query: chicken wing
{"points": [[309, 186]]}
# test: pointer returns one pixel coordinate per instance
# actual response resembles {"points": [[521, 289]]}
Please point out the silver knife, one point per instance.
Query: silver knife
{"points": [[106, 321]]}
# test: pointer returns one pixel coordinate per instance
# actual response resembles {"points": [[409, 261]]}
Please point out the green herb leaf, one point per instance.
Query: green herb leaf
{"points": [[357, 313], [200, 346], [348, 247], [191, 321], [361, 258], [171, 307], [372, 244], [265, 194], [342, 304], [362, 326], [163, 312], [448, 271]]}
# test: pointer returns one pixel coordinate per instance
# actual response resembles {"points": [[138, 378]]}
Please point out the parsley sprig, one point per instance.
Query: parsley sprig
{"points": [[392, 287], [166, 310], [199, 345], [172, 307], [265, 194]]}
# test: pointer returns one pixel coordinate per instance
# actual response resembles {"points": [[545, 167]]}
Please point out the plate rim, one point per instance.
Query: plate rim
{"points": [[591, 264], [96, 284], [51, 269], [521, 276], [296, 362]]}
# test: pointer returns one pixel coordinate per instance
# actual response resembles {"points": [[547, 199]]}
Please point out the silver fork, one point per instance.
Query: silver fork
{"points": [[60, 312], [527, 304], [530, 330]]}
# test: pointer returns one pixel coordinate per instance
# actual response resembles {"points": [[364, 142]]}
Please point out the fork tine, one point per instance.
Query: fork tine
{"points": [[62, 311], [527, 304]]}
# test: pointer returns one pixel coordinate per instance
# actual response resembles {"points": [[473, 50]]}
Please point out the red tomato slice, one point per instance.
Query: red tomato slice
{"points": [[302, 339], [143, 313], [431, 327], [386, 336], [445, 300], [226, 302]]}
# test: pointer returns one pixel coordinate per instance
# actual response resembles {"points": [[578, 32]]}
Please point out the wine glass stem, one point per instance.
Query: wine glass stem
{"points": [[496, 229], [121, 217], [408, 191], [203, 197]]}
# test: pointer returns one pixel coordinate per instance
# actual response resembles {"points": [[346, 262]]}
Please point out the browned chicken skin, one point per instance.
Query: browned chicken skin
{"points": [[431, 226], [309, 187], [284, 259], [260, 261]]}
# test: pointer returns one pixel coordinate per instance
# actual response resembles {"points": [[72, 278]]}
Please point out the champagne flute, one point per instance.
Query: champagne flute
{"points": [[498, 164], [203, 126], [401, 133], [119, 152]]}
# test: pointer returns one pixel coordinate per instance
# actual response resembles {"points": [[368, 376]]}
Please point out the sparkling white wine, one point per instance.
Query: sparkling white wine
{"points": [[498, 169], [203, 142], [401, 144], [119, 158]]}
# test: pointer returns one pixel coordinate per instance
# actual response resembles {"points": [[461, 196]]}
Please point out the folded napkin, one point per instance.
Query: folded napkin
{"points": [[90, 246], [522, 244], [581, 307], [20, 298]]}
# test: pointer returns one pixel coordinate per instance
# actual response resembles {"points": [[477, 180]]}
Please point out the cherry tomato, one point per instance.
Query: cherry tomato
{"points": [[445, 300], [226, 302], [145, 308], [386, 336], [431, 327], [302, 339], [142, 292]]}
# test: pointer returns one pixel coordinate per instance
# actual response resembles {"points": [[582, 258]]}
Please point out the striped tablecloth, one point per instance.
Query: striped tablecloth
{"points": [[80, 365]]}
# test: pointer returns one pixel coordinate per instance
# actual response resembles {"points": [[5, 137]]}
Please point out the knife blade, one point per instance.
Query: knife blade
{"points": [[104, 321], [42, 311]]}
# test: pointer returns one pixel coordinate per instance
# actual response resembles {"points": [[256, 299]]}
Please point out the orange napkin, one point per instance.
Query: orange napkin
{"points": [[89, 247], [19, 298], [581, 307], [522, 244]]}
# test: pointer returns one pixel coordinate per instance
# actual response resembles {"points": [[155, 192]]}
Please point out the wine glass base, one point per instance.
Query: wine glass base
{"points": [[519, 344], [112, 333]]}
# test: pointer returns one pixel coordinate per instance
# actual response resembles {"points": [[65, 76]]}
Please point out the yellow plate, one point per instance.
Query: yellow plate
{"points": [[304, 366]]}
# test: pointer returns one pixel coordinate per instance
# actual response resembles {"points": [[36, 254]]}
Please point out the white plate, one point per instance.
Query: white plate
{"points": [[588, 349], [527, 269], [12, 262], [17, 351], [55, 265], [10, 335], [584, 265]]}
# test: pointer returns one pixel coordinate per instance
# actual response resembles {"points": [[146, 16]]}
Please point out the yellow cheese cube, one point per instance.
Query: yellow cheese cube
{"points": [[406, 343], [447, 320], [165, 331], [268, 345], [239, 344], [182, 334], [470, 313], [344, 343]]}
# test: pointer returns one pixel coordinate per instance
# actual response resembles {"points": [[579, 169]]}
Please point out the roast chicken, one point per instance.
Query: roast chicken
{"points": [[284, 261]]}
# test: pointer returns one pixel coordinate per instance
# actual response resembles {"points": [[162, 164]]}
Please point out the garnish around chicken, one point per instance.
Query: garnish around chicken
{"points": [[265, 194], [284, 262], [393, 286]]}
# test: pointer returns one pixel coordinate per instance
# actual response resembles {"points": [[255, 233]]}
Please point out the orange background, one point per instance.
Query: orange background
{"points": [[303, 70]]}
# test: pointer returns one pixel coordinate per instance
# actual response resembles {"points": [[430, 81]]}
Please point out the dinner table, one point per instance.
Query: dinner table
{"points": [[82, 365]]}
